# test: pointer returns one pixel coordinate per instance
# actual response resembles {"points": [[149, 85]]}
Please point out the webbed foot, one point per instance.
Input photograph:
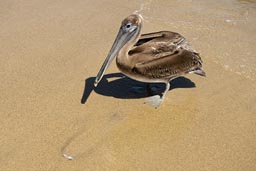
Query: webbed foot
{"points": [[154, 101]]}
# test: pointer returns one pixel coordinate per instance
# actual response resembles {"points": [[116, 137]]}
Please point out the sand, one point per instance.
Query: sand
{"points": [[50, 52]]}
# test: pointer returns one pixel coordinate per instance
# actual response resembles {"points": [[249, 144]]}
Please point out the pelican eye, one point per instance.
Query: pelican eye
{"points": [[128, 25]]}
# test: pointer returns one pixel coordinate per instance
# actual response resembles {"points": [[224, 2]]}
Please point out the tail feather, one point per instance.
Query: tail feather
{"points": [[199, 71]]}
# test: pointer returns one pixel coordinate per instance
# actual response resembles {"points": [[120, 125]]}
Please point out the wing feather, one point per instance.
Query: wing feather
{"points": [[163, 55], [178, 63]]}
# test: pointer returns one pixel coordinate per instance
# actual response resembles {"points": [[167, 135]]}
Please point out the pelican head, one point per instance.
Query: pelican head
{"points": [[129, 32]]}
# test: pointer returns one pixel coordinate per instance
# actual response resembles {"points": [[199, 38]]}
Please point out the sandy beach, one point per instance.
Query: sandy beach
{"points": [[51, 51]]}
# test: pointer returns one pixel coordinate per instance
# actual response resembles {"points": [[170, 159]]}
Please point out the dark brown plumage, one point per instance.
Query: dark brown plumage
{"points": [[165, 54]]}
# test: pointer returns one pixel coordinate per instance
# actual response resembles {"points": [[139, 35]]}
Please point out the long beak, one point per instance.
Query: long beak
{"points": [[121, 39]]}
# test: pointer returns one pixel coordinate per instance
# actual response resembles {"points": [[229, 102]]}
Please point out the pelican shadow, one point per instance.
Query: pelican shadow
{"points": [[119, 86]]}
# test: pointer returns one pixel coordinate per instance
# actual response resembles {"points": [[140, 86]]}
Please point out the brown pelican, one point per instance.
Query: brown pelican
{"points": [[155, 57]]}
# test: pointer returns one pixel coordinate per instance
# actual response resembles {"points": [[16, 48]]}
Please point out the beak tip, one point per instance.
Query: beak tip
{"points": [[95, 84]]}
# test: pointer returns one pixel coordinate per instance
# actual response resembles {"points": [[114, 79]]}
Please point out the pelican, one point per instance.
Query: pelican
{"points": [[155, 57]]}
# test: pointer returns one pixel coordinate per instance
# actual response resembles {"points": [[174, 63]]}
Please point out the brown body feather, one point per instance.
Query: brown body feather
{"points": [[161, 56]]}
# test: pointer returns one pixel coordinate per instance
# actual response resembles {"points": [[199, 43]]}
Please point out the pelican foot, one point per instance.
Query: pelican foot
{"points": [[153, 90], [154, 101]]}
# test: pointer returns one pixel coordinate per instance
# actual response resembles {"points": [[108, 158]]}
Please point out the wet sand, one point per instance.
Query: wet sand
{"points": [[51, 50]]}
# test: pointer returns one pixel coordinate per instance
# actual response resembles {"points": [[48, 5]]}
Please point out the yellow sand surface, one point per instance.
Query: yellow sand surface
{"points": [[50, 52]]}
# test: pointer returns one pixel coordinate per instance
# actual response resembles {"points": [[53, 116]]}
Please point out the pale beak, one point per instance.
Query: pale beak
{"points": [[121, 39]]}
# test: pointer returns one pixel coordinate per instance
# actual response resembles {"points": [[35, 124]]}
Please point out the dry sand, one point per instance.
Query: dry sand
{"points": [[51, 50]]}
